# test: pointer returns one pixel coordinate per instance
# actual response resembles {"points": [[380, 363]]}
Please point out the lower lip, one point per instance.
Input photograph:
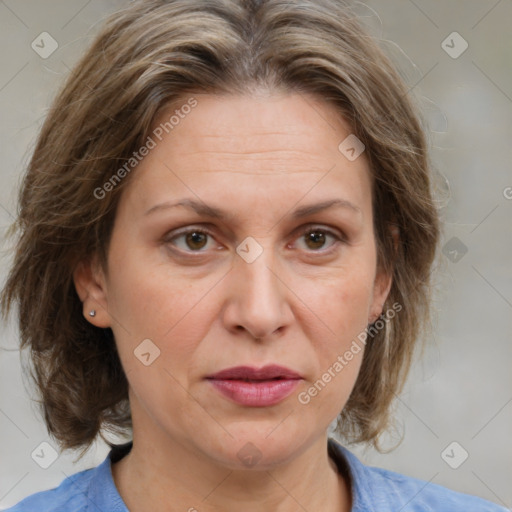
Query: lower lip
{"points": [[256, 394]]}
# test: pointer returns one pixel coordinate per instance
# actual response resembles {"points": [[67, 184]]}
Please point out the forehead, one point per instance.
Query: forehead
{"points": [[262, 147], [257, 124]]}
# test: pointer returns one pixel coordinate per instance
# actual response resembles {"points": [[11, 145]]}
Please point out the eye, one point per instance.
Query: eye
{"points": [[315, 239], [191, 240], [199, 240]]}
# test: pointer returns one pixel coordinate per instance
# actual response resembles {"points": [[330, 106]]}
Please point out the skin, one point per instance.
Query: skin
{"points": [[300, 304]]}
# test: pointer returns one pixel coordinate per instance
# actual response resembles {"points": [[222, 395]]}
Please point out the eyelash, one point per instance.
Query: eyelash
{"points": [[308, 230]]}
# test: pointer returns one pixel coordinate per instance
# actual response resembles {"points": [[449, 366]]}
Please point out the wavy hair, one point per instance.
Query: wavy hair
{"points": [[146, 57]]}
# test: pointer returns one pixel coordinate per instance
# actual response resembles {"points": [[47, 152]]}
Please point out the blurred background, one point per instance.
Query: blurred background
{"points": [[455, 414]]}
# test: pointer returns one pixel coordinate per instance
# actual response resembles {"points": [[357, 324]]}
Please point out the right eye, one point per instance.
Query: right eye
{"points": [[191, 240]]}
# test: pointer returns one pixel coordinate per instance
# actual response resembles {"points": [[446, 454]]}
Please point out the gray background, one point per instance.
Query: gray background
{"points": [[461, 390]]}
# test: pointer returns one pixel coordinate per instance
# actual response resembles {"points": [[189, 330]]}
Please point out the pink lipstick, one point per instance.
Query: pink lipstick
{"points": [[255, 387]]}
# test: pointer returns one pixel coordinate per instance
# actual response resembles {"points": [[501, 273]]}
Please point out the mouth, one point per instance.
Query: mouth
{"points": [[255, 387], [249, 373]]}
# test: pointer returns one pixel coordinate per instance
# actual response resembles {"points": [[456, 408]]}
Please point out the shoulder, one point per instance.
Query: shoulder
{"points": [[70, 496], [90, 490], [416, 495], [383, 490]]}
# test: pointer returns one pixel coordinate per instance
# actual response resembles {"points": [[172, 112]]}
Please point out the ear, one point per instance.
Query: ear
{"points": [[381, 287], [90, 285], [382, 284]]}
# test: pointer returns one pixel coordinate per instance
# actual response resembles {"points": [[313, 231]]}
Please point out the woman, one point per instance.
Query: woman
{"points": [[226, 239]]}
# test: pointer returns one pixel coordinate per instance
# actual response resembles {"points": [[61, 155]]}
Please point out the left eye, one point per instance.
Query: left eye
{"points": [[315, 238]]}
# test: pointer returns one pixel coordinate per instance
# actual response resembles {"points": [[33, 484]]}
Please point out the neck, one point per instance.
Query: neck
{"points": [[164, 477]]}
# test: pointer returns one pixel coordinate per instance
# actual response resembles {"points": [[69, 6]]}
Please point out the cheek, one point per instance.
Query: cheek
{"points": [[160, 320], [148, 303], [341, 300], [343, 312], [151, 298], [338, 315]]}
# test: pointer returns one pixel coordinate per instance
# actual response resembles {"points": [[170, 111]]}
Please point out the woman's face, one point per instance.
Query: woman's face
{"points": [[241, 274]]}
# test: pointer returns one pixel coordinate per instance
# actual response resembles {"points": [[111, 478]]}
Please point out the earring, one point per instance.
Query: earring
{"points": [[92, 312]]}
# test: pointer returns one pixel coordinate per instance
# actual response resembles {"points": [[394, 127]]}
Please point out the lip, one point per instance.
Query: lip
{"points": [[268, 372], [255, 387]]}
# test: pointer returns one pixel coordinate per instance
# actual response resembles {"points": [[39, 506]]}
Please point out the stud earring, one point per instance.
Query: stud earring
{"points": [[92, 312]]}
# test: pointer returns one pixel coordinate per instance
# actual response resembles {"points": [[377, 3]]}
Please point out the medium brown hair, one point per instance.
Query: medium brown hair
{"points": [[153, 54]]}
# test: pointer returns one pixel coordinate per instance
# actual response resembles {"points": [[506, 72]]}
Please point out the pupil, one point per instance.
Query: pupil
{"points": [[196, 240], [317, 238]]}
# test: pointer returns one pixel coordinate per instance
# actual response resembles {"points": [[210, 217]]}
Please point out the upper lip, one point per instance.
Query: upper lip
{"points": [[272, 371]]}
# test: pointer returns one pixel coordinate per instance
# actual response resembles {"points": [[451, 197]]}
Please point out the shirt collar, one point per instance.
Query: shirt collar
{"points": [[103, 494], [355, 472]]}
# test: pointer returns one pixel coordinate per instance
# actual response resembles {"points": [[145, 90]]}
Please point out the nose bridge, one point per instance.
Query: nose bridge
{"points": [[259, 302], [257, 277]]}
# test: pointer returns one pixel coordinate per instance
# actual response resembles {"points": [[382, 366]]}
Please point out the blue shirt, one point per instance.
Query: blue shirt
{"points": [[373, 490]]}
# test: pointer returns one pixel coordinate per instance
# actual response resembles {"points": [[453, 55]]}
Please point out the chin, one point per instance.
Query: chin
{"points": [[258, 447]]}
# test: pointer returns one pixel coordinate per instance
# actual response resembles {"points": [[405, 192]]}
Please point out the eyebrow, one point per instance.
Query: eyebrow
{"points": [[216, 213]]}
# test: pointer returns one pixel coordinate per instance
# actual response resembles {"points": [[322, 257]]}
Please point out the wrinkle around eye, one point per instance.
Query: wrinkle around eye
{"points": [[337, 236], [327, 233], [184, 233]]}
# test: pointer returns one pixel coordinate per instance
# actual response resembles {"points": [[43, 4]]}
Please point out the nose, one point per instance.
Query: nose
{"points": [[258, 298]]}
